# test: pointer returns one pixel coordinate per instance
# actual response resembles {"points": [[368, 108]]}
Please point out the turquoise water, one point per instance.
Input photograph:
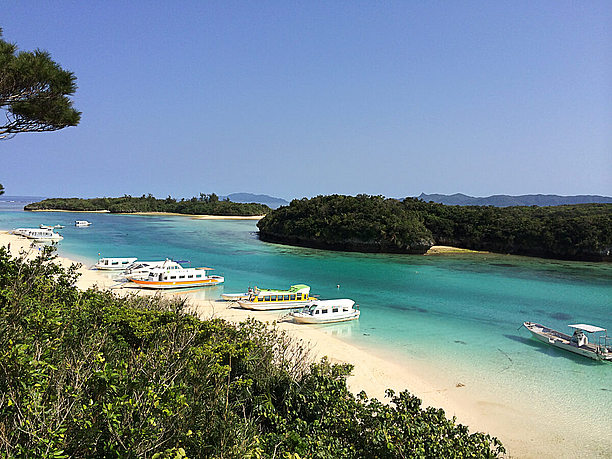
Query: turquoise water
{"points": [[461, 311]]}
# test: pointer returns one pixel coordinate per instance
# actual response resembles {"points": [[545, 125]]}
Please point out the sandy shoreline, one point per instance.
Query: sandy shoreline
{"points": [[523, 434], [173, 214]]}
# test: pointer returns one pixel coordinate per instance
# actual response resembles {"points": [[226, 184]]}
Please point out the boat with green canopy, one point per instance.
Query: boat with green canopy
{"points": [[261, 300]]}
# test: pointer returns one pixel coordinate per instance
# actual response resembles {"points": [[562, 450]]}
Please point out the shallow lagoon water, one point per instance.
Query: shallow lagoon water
{"points": [[460, 313]]}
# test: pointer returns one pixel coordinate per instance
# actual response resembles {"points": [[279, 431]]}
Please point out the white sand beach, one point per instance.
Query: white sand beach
{"points": [[523, 433]]}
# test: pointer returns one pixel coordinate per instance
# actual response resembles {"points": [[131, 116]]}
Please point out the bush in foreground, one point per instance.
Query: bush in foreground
{"points": [[90, 374]]}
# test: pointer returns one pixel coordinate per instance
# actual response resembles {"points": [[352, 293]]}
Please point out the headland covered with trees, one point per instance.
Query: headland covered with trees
{"points": [[376, 224], [205, 204], [92, 374]]}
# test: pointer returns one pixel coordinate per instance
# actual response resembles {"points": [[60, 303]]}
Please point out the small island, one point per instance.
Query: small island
{"points": [[205, 204], [365, 223]]}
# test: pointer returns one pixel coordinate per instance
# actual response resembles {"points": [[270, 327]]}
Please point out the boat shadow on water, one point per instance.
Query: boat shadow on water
{"points": [[552, 351]]}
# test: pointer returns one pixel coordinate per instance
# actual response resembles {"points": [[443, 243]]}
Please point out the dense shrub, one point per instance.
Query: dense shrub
{"points": [[375, 224], [204, 205], [90, 374]]}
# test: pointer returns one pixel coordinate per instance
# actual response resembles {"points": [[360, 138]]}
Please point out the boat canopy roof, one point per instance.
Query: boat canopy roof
{"points": [[588, 328]]}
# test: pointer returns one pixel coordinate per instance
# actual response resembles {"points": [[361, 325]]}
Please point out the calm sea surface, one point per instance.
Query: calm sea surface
{"points": [[462, 312]]}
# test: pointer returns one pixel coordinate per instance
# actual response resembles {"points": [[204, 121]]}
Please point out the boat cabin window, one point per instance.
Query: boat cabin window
{"points": [[266, 298], [172, 277], [345, 309], [106, 262], [317, 311], [299, 296], [286, 297], [292, 297], [335, 310], [273, 298], [190, 276], [115, 263], [324, 311], [126, 262], [181, 277], [198, 275]]}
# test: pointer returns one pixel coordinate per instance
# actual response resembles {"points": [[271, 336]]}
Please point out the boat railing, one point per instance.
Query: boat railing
{"points": [[604, 344]]}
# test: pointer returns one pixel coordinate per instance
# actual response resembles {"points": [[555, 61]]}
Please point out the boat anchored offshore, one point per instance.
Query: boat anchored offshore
{"points": [[114, 263], [161, 278], [578, 343], [326, 311], [263, 300], [81, 223]]}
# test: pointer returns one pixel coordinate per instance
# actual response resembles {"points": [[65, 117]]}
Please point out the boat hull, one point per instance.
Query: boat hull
{"points": [[272, 306], [309, 319], [160, 285]]}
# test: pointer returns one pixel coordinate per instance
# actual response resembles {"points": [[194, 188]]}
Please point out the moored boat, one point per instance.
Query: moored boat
{"points": [[326, 311], [578, 343], [81, 223], [114, 264], [38, 234], [141, 269], [261, 300], [160, 278]]}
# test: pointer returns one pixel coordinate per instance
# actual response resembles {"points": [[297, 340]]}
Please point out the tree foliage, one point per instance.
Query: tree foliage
{"points": [[90, 374], [205, 204], [375, 224], [34, 92]]}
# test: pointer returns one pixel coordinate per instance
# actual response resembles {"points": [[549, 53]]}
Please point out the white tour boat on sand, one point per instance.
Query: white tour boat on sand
{"points": [[38, 235], [265, 300], [114, 264], [578, 343], [81, 223], [161, 278], [141, 269], [326, 312]]}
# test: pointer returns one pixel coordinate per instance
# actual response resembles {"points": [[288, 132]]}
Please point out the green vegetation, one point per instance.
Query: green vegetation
{"points": [[89, 374], [375, 224], [205, 204], [34, 92]]}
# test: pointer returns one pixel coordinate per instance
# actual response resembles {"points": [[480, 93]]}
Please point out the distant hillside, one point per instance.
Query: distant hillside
{"points": [[270, 201], [503, 200]]}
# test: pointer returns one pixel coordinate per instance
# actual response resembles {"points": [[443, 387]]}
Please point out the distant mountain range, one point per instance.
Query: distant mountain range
{"points": [[270, 201], [503, 200]]}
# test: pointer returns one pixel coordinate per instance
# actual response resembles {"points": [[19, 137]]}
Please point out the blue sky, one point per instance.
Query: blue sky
{"points": [[297, 99]]}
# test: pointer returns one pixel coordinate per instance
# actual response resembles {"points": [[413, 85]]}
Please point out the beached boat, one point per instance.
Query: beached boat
{"points": [[114, 264], [81, 223], [161, 278], [326, 311], [261, 300], [38, 235], [141, 269], [578, 343]]}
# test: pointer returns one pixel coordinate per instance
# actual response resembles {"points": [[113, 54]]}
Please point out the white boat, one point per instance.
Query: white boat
{"points": [[326, 311], [114, 263], [81, 223], [161, 278], [141, 269], [578, 343], [51, 227], [38, 235], [265, 300]]}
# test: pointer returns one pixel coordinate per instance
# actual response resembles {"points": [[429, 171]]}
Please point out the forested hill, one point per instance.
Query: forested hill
{"points": [[503, 200], [205, 204], [376, 224]]}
